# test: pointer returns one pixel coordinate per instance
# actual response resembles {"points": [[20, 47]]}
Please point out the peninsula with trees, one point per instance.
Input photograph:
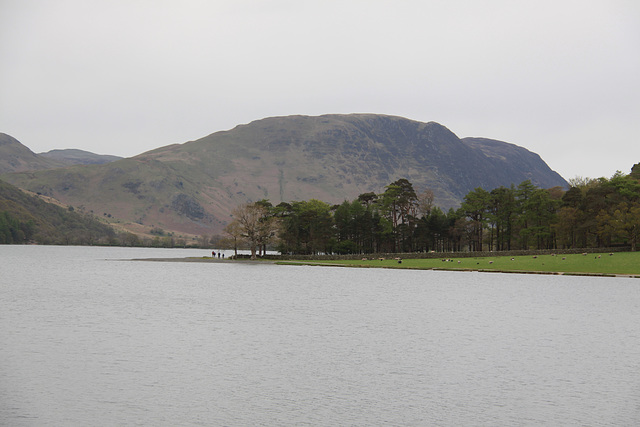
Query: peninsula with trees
{"points": [[593, 213]]}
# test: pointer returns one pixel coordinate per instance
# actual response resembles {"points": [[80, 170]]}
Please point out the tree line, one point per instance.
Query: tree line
{"points": [[591, 213]]}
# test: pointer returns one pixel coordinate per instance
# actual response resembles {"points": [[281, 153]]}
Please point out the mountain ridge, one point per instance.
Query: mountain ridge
{"points": [[72, 156], [16, 157], [193, 187]]}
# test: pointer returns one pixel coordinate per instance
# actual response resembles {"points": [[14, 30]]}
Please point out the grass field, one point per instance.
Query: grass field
{"points": [[620, 263]]}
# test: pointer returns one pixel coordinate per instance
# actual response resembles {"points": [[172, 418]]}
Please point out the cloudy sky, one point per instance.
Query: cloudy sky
{"points": [[560, 78]]}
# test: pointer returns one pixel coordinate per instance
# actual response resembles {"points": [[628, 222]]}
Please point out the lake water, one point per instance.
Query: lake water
{"points": [[88, 338]]}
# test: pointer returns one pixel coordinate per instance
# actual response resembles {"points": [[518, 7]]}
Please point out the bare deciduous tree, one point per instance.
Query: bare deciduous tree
{"points": [[256, 225], [234, 231], [425, 202]]}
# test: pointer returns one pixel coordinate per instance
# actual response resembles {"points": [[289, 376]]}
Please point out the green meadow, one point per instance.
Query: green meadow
{"points": [[623, 263]]}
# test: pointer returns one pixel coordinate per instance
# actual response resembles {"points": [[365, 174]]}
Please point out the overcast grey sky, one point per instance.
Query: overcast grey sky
{"points": [[560, 78]]}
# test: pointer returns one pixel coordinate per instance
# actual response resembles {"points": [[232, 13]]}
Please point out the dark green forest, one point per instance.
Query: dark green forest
{"points": [[592, 213]]}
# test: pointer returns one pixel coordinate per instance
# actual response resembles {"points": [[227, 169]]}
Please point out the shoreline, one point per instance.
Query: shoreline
{"points": [[329, 264], [467, 270], [195, 259]]}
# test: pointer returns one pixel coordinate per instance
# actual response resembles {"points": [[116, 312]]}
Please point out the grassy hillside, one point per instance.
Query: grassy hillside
{"points": [[28, 219], [139, 194]]}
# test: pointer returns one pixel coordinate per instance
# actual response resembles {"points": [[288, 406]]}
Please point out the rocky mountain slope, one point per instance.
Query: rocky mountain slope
{"points": [[193, 187]]}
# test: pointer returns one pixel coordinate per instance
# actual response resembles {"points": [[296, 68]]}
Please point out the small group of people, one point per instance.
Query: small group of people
{"points": [[213, 254]]}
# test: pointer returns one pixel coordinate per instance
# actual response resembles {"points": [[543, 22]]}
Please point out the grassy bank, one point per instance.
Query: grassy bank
{"points": [[621, 263]]}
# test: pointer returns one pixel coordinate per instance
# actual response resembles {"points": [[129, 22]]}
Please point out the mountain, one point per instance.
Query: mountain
{"points": [[193, 187], [15, 157], [78, 157]]}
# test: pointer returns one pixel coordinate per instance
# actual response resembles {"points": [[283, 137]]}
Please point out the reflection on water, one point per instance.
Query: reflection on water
{"points": [[85, 337]]}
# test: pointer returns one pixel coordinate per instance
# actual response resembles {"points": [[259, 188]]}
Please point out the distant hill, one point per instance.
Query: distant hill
{"points": [[193, 187], [15, 157], [25, 218], [79, 157]]}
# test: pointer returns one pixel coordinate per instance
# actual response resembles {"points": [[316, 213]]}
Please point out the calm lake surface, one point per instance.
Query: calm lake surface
{"points": [[90, 338]]}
